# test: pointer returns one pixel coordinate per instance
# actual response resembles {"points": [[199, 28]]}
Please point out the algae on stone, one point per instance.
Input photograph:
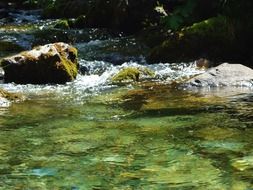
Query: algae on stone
{"points": [[62, 24], [132, 74]]}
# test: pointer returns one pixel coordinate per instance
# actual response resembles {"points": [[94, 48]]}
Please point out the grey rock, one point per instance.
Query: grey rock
{"points": [[223, 75]]}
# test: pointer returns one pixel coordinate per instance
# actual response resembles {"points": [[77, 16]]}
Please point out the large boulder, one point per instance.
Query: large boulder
{"points": [[223, 75], [51, 63]]}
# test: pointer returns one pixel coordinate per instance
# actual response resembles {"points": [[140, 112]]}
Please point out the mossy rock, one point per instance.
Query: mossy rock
{"points": [[51, 63], [6, 98], [212, 39], [216, 27], [62, 24], [131, 74]]}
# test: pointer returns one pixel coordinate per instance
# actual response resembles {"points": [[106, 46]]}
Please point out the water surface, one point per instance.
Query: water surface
{"points": [[94, 134]]}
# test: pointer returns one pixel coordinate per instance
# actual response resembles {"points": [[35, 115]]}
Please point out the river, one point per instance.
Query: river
{"points": [[94, 134]]}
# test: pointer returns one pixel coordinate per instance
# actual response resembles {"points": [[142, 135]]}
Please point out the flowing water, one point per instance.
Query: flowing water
{"points": [[94, 134]]}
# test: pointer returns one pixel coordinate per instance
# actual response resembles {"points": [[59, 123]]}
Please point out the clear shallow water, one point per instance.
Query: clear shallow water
{"points": [[140, 136], [92, 134]]}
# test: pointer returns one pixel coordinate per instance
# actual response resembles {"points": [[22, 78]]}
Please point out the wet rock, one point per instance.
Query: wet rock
{"points": [[83, 69], [51, 63], [223, 75], [6, 98], [132, 74], [62, 24]]}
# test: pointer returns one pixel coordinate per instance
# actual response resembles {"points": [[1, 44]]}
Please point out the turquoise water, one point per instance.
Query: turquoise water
{"points": [[93, 134]]}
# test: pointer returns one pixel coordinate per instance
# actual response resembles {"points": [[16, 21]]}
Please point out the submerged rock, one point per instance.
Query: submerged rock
{"points": [[51, 63], [223, 75]]}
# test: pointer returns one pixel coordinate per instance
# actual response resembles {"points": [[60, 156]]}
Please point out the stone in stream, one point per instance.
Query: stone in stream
{"points": [[223, 75], [6, 98], [132, 74], [51, 63]]}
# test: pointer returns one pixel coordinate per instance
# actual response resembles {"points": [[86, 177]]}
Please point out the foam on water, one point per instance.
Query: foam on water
{"points": [[98, 78]]}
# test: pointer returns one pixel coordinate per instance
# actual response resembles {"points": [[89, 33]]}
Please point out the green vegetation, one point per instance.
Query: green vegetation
{"points": [[176, 18], [213, 38], [62, 24], [132, 74]]}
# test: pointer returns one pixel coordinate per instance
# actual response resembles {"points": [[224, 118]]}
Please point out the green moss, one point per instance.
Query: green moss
{"points": [[69, 62], [49, 67], [18, 28], [131, 73], [69, 68], [62, 24], [216, 27], [214, 38]]}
